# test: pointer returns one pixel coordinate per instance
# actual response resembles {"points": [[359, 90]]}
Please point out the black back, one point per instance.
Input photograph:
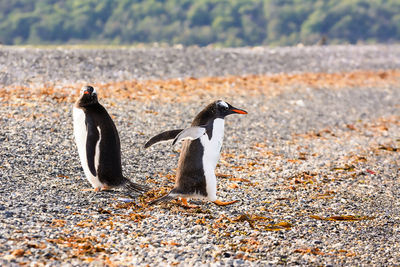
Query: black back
{"points": [[190, 177], [109, 170]]}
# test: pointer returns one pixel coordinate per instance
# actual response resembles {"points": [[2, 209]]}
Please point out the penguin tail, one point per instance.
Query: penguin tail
{"points": [[134, 187], [164, 136], [165, 198]]}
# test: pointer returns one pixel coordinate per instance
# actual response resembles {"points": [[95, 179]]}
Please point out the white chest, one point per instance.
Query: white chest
{"points": [[80, 133], [212, 150]]}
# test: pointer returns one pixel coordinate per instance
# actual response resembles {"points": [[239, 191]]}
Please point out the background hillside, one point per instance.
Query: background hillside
{"points": [[201, 22]]}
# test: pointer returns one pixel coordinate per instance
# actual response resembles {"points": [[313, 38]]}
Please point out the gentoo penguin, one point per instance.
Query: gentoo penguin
{"points": [[195, 177], [98, 144]]}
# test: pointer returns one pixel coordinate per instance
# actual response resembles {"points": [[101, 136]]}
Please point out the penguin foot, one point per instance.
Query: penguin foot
{"points": [[187, 205], [105, 188], [221, 203], [97, 189]]}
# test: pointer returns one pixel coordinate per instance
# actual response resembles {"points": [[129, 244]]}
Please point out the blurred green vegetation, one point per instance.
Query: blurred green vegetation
{"points": [[199, 22]]}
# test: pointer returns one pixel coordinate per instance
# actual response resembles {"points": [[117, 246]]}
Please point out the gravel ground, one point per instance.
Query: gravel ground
{"points": [[316, 171], [29, 66]]}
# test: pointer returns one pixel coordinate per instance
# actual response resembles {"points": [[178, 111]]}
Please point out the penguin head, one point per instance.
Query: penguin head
{"points": [[217, 109], [224, 109], [88, 96]]}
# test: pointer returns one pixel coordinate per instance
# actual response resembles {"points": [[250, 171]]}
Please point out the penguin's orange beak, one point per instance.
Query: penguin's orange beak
{"points": [[240, 111], [86, 93]]}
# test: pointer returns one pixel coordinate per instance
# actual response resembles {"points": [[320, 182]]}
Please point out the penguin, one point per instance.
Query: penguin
{"points": [[98, 144], [195, 176]]}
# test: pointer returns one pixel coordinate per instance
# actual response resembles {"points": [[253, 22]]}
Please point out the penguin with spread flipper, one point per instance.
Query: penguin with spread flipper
{"points": [[195, 176]]}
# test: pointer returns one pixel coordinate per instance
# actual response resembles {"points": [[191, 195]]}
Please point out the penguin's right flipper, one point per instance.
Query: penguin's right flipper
{"points": [[164, 136], [190, 133]]}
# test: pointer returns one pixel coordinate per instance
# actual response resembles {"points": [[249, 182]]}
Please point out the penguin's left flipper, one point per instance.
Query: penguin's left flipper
{"points": [[92, 139], [191, 133], [164, 136]]}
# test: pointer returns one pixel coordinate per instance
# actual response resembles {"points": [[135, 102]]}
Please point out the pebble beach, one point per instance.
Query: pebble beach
{"points": [[315, 164]]}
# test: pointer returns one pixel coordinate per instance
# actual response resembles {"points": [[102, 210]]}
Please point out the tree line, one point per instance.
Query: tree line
{"points": [[199, 22]]}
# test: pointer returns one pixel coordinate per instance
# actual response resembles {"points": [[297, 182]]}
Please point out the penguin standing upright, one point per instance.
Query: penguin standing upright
{"points": [[98, 144], [195, 177]]}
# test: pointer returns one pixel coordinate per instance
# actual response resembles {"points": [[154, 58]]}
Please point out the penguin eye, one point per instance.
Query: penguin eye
{"points": [[222, 105]]}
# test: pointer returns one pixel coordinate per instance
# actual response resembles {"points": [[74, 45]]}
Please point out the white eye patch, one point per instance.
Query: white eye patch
{"points": [[222, 103]]}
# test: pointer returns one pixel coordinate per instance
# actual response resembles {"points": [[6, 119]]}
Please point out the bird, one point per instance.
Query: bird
{"points": [[98, 144], [195, 176]]}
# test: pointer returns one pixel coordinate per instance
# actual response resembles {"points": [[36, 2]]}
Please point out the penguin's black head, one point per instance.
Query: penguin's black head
{"points": [[217, 109], [88, 96], [224, 109]]}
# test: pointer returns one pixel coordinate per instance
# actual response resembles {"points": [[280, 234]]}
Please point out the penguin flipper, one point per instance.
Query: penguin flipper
{"points": [[191, 133], [92, 139], [164, 136]]}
